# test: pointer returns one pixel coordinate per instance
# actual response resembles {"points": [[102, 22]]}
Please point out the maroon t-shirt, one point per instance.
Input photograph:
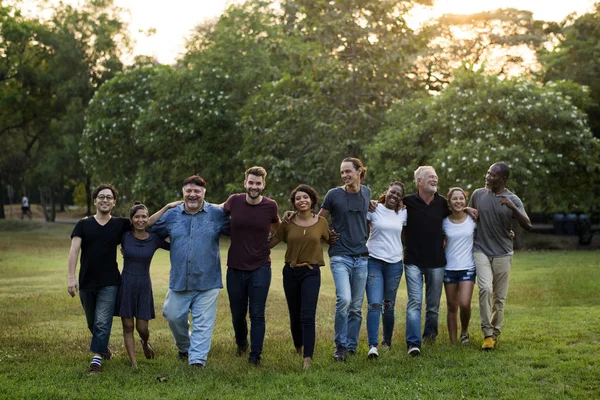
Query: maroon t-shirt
{"points": [[250, 227]]}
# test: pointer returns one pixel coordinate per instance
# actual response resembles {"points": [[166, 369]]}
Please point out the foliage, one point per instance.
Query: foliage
{"points": [[540, 131], [577, 57]]}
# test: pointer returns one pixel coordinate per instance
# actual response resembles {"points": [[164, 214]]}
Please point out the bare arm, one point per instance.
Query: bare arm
{"points": [[156, 216], [324, 213], [73, 286], [521, 218]]}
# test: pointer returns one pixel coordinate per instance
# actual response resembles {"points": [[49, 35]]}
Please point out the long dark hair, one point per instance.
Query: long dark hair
{"points": [[137, 206]]}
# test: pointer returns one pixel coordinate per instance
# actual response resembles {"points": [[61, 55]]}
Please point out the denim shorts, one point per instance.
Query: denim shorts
{"points": [[453, 277]]}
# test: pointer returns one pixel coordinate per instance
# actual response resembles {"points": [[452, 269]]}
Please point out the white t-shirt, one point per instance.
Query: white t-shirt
{"points": [[459, 244], [385, 242], [24, 202]]}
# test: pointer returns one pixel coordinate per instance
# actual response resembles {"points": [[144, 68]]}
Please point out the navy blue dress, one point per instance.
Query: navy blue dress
{"points": [[135, 299]]}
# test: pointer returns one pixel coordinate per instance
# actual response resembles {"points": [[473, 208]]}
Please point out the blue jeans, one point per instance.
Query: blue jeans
{"points": [[99, 307], [248, 291], [350, 278], [202, 304], [433, 278], [382, 285], [301, 286]]}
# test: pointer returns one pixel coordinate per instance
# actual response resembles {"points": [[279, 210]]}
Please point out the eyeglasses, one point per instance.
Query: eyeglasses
{"points": [[103, 197], [363, 207]]}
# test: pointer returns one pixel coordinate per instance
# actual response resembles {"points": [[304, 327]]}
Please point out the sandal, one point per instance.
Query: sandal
{"points": [[148, 350], [465, 339]]}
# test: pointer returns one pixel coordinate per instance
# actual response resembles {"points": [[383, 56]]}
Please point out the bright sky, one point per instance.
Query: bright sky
{"points": [[174, 19]]}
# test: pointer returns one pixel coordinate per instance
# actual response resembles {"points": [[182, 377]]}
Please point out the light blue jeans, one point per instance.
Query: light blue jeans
{"points": [[350, 278], [202, 304], [99, 307], [382, 285], [433, 279]]}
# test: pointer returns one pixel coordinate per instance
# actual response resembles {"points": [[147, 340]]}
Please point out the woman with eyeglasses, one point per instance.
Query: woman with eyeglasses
{"points": [[347, 205], [385, 264], [134, 298]]}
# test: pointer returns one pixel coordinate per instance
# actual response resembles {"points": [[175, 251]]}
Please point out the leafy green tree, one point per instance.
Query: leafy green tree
{"points": [[540, 131], [577, 57]]}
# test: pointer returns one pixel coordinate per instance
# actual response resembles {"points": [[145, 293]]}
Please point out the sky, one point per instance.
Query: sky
{"points": [[174, 19]]}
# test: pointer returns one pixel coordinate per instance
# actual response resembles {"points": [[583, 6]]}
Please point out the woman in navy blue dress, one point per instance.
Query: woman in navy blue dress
{"points": [[135, 299]]}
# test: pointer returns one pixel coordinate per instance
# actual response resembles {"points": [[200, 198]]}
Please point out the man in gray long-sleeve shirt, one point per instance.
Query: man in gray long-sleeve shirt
{"points": [[194, 228], [493, 247]]}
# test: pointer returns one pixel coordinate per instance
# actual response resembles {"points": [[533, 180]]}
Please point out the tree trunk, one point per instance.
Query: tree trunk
{"points": [[48, 206], [88, 194], [2, 215]]}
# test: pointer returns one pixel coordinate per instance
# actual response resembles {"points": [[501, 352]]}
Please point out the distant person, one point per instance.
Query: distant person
{"points": [[194, 229], [493, 248], [25, 209], [459, 275], [385, 264], [348, 205], [135, 300], [302, 270], [253, 217], [97, 237]]}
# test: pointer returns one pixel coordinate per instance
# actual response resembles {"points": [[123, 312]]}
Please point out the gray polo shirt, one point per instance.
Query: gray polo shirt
{"points": [[494, 223]]}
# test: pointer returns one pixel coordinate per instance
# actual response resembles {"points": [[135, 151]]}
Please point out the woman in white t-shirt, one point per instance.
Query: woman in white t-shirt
{"points": [[459, 276], [385, 264]]}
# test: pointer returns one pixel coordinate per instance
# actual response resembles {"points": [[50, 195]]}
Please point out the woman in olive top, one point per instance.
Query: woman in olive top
{"points": [[301, 272]]}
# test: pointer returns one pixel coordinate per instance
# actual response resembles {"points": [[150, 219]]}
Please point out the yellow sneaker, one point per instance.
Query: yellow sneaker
{"points": [[488, 343]]}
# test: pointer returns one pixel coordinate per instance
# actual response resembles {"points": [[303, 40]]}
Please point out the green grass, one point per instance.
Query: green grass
{"points": [[549, 347]]}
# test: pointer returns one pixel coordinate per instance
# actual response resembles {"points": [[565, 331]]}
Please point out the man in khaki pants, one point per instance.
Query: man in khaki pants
{"points": [[493, 247]]}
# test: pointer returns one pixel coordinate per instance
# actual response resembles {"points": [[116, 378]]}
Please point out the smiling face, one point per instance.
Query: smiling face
{"points": [[393, 196], [428, 181], [254, 186], [302, 201], [494, 179], [139, 221], [350, 175], [105, 201], [193, 197], [457, 201]]}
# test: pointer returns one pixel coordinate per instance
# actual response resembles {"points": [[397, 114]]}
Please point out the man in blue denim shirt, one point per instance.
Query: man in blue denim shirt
{"points": [[194, 228]]}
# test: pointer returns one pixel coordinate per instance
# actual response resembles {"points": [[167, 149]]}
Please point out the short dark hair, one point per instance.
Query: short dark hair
{"points": [[256, 171], [504, 169], [103, 186], [196, 180], [312, 193], [381, 198], [137, 206], [357, 165]]}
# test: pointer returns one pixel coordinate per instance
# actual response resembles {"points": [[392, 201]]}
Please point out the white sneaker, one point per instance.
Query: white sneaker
{"points": [[373, 354], [413, 350]]}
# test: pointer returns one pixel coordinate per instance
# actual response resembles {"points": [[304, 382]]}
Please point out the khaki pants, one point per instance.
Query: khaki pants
{"points": [[492, 280]]}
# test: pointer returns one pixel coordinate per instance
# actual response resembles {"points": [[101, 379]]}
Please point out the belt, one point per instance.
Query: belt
{"points": [[365, 254]]}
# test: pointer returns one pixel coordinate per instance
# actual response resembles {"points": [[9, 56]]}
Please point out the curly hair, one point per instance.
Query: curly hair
{"points": [[381, 198]]}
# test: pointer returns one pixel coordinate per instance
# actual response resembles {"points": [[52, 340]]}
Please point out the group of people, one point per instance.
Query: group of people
{"points": [[444, 241]]}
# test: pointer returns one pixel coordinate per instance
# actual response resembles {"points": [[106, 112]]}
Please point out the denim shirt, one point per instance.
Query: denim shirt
{"points": [[195, 256]]}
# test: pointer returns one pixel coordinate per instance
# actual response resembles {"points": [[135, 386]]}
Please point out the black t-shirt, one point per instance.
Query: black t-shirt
{"points": [[99, 243], [424, 234]]}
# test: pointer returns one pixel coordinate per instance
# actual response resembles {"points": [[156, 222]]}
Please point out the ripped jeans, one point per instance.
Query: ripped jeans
{"points": [[383, 279]]}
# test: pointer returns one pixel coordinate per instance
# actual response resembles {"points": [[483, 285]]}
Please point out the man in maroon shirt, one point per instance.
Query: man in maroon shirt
{"points": [[253, 216]]}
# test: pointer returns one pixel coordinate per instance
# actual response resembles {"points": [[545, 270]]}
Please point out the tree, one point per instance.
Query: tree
{"points": [[541, 131], [577, 57]]}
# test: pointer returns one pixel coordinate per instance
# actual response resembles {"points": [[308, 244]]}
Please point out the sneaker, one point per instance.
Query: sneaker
{"points": [[465, 339], [351, 352], [254, 361], [414, 350], [95, 368], [108, 355], [340, 353], [182, 356], [386, 345], [488, 343], [197, 365], [373, 354], [242, 350]]}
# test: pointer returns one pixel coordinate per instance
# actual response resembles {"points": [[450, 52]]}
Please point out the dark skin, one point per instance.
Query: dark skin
{"points": [[495, 181]]}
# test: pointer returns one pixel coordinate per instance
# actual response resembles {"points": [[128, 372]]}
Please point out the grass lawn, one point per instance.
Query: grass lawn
{"points": [[550, 346]]}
